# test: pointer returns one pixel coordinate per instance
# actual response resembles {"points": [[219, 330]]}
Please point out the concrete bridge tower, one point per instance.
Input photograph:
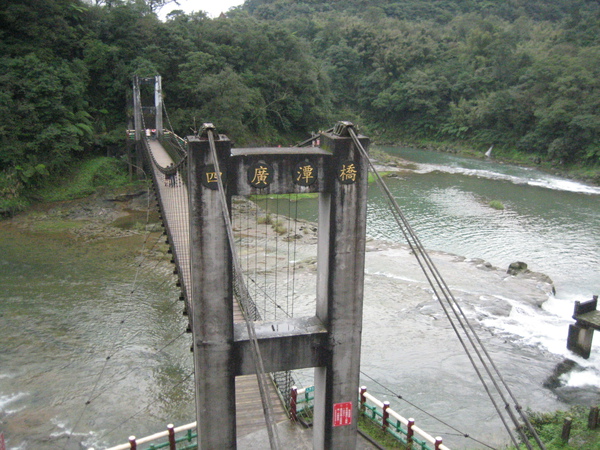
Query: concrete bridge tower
{"points": [[139, 110], [330, 339]]}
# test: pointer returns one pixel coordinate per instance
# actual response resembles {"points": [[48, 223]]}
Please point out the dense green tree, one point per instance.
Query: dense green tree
{"points": [[509, 73], [521, 74], [266, 79], [215, 93], [44, 113]]}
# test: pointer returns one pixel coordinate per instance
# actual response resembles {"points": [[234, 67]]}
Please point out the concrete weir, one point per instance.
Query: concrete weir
{"points": [[581, 333]]}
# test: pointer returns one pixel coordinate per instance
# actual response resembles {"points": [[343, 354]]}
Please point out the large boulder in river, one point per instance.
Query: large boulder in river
{"points": [[519, 269], [516, 268]]}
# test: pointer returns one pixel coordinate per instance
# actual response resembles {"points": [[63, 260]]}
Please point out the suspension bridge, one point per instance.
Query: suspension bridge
{"points": [[251, 310]]}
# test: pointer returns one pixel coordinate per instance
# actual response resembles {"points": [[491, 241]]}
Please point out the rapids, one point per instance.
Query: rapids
{"points": [[93, 345]]}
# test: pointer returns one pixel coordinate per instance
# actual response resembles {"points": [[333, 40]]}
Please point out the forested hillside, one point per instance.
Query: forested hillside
{"points": [[519, 74], [523, 75]]}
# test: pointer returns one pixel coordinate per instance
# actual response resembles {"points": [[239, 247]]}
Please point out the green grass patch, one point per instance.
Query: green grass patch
{"points": [[11, 206], [372, 178], [279, 227], [381, 156], [137, 220], [12, 199], [265, 220], [549, 428], [56, 226], [86, 179], [496, 204], [375, 432]]}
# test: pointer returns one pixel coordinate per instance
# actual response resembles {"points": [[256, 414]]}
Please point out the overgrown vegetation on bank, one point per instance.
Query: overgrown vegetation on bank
{"points": [[79, 180], [549, 427], [522, 75], [516, 74], [85, 178]]}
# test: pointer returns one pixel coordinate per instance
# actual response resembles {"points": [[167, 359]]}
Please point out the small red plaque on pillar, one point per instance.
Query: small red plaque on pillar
{"points": [[342, 414]]}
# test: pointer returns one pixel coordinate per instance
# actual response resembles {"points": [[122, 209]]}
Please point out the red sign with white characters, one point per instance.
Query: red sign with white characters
{"points": [[342, 414]]}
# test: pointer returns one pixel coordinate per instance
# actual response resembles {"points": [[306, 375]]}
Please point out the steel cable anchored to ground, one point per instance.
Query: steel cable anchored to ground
{"points": [[454, 312]]}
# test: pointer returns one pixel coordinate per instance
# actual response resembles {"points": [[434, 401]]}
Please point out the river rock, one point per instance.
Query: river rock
{"points": [[517, 268]]}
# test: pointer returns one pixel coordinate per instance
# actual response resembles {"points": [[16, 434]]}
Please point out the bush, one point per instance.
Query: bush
{"points": [[85, 179], [549, 428], [496, 204], [11, 194]]}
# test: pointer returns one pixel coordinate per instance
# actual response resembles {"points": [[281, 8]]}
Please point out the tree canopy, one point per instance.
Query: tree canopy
{"points": [[520, 74]]}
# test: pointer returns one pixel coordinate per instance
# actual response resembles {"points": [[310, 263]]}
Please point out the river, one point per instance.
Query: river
{"points": [[548, 222], [66, 305], [92, 339]]}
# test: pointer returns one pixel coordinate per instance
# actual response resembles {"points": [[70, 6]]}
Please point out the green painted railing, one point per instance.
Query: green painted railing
{"points": [[301, 410], [179, 139], [180, 438], [403, 430], [301, 404], [187, 442]]}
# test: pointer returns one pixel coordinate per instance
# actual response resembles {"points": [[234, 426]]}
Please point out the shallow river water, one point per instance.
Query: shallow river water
{"points": [[93, 345], [548, 222], [85, 330]]}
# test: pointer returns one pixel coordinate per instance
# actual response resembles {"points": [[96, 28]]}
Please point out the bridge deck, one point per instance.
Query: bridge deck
{"points": [[174, 202], [176, 214]]}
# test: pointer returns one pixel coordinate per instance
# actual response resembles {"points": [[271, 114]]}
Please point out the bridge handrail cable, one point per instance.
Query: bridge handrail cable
{"points": [[180, 142]]}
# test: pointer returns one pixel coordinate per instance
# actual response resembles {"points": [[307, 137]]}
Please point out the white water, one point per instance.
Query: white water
{"points": [[551, 223], [528, 177], [546, 329], [7, 401]]}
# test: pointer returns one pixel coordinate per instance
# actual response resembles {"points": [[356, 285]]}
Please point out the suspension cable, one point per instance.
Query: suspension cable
{"points": [[423, 259], [177, 138], [256, 354], [430, 271]]}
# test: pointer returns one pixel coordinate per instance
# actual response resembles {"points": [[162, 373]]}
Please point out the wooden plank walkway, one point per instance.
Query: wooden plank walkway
{"points": [[249, 411], [174, 201]]}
